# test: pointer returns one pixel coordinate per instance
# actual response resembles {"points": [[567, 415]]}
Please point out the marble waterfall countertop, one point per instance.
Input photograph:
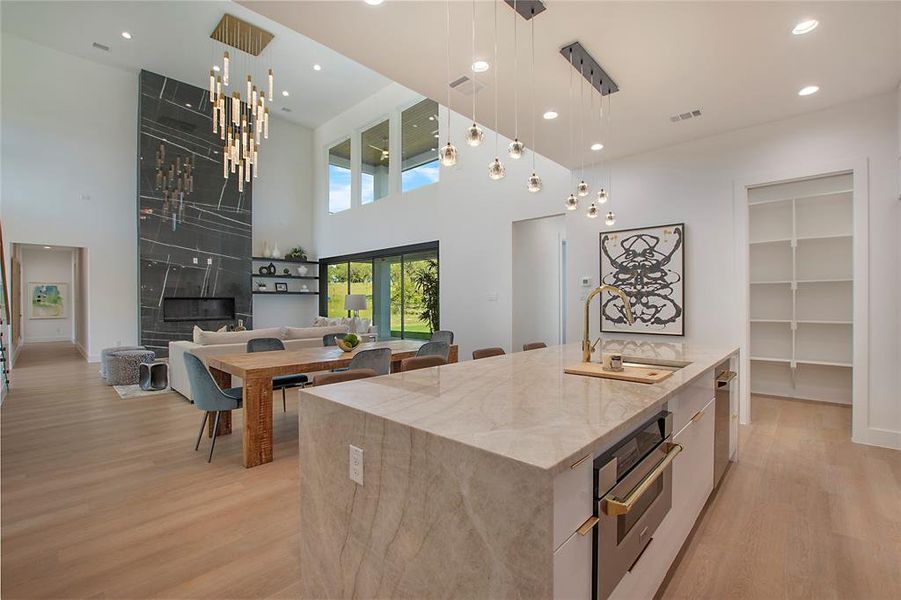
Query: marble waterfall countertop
{"points": [[522, 406]]}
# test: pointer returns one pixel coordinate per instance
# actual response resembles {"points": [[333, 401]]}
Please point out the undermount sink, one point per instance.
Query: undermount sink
{"points": [[654, 363]]}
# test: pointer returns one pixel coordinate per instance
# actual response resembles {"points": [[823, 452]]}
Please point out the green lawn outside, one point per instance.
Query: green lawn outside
{"points": [[413, 324]]}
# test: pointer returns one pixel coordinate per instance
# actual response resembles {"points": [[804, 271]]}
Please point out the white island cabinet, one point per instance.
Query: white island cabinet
{"points": [[478, 477]]}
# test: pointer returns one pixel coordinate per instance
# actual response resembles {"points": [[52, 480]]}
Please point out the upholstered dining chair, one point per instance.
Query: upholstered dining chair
{"points": [[329, 338], [421, 362], [339, 376], [533, 346], [377, 359], [208, 397], [443, 336], [441, 349], [280, 382], [487, 353]]}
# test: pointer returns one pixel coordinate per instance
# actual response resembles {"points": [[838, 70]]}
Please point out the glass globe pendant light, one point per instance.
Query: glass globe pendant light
{"points": [[496, 170], [592, 211], [610, 219], [572, 203], [582, 189], [534, 183], [602, 196], [474, 134], [514, 150], [448, 154]]}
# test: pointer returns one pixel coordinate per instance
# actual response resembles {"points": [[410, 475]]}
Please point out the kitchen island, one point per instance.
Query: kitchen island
{"points": [[477, 476]]}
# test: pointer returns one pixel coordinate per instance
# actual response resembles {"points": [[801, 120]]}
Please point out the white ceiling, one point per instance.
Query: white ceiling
{"points": [[172, 38], [736, 61]]}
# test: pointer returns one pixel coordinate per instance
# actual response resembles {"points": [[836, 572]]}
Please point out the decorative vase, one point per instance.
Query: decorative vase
{"points": [[276, 253], [302, 270], [271, 269], [267, 252]]}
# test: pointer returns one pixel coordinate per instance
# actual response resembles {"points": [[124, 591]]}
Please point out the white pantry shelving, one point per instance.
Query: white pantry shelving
{"points": [[801, 276]]}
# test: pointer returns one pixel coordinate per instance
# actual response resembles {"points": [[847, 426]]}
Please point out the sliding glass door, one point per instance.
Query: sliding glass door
{"points": [[400, 285]]}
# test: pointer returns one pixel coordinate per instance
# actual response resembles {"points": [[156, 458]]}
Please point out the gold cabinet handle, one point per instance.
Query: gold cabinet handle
{"points": [[614, 506], [697, 416], [588, 525]]}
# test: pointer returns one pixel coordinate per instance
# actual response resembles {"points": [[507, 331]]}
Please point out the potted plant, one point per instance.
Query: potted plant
{"points": [[297, 253]]}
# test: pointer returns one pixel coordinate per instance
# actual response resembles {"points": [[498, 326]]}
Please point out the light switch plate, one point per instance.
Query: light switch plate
{"points": [[492, 297], [356, 464]]}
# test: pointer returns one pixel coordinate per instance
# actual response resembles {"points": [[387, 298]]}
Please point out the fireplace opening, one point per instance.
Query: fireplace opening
{"points": [[198, 309]]}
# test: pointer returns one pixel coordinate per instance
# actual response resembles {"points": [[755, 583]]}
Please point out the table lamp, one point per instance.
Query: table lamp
{"points": [[356, 303]]}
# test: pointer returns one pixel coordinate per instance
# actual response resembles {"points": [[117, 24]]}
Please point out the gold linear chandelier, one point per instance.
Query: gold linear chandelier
{"points": [[241, 121]]}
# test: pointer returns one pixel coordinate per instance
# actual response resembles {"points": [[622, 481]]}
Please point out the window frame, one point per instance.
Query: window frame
{"points": [[327, 150]]}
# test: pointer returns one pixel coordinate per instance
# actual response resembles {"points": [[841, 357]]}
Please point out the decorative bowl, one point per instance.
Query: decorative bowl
{"points": [[349, 343]]}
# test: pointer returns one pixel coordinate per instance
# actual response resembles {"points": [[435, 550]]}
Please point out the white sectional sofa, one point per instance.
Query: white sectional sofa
{"points": [[210, 343]]}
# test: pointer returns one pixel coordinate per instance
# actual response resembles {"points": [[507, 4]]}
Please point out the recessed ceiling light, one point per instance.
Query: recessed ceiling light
{"points": [[480, 66], [317, 67], [805, 26], [285, 93], [373, 2], [47, 248], [216, 68], [431, 118], [808, 90], [597, 147], [126, 35], [551, 114], [188, 104]]}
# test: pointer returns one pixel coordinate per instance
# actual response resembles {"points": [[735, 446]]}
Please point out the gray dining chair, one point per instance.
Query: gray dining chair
{"points": [[329, 338], [443, 336], [209, 398], [377, 359], [279, 382], [441, 349]]}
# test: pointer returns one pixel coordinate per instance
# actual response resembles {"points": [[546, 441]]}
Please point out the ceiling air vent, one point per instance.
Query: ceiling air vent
{"points": [[466, 85], [100, 46], [686, 115], [286, 109]]}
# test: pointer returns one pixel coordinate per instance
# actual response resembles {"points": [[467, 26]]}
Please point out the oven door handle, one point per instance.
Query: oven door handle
{"points": [[614, 506]]}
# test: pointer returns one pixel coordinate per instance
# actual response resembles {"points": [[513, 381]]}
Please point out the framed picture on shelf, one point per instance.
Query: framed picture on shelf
{"points": [[281, 286], [647, 264]]}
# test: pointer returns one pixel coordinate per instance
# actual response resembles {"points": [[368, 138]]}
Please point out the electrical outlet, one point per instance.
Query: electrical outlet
{"points": [[356, 464]]}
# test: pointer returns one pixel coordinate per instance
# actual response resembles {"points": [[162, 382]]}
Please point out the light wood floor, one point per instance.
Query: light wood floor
{"points": [[103, 497]]}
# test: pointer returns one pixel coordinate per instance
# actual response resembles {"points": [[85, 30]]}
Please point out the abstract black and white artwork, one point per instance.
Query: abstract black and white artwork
{"points": [[647, 264]]}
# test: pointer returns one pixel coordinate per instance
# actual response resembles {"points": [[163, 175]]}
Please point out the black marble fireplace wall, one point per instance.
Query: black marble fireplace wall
{"points": [[198, 246]]}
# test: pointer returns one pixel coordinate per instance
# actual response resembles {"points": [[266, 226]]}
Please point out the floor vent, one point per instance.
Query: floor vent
{"points": [[467, 85], [686, 115], [100, 46]]}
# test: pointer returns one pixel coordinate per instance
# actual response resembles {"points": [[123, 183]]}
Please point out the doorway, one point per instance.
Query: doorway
{"points": [[539, 273]]}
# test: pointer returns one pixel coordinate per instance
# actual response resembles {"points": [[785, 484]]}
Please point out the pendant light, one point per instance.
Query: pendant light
{"points": [[592, 211], [572, 203], [496, 170], [515, 149], [602, 196], [534, 184], [448, 153], [582, 188], [610, 220], [474, 134]]}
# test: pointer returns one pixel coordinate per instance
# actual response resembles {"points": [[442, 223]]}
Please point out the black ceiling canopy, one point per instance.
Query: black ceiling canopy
{"points": [[527, 8], [589, 68]]}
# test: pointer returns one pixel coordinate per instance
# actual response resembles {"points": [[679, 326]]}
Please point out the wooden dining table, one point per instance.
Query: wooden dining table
{"points": [[257, 370]]}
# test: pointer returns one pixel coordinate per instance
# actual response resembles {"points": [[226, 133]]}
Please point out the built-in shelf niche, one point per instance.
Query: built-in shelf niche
{"points": [[801, 275]]}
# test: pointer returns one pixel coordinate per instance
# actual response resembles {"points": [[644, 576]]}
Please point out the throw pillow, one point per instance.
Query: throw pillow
{"points": [[198, 332]]}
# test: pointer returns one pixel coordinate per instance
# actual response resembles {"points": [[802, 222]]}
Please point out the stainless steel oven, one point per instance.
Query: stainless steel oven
{"points": [[633, 490]]}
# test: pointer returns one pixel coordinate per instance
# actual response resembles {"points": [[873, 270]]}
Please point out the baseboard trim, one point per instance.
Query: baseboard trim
{"points": [[883, 438]]}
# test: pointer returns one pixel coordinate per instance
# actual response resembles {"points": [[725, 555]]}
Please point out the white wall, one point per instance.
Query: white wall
{"points": [[69, 178], [47, 266], [694, 182], [470, 216], [538, 280], [283, 213], [68, 172]]}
